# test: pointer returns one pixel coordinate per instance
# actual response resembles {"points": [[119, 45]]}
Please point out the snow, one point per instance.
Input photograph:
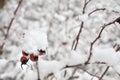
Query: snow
{"points": [[45, 24], [34, 40], [60, 17], [47, 67], [76, 58], [107, 55], [3, 62], [83, 17]]}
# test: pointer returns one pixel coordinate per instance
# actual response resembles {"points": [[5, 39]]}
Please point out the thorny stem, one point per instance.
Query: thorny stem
{"points": [[10, 24], [104, 72], [38, 74], [98, 37]]}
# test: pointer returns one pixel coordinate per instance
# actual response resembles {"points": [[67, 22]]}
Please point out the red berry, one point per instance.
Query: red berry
{"points": [[64, 43], [33, 57], [23, 60], [41, 52]]}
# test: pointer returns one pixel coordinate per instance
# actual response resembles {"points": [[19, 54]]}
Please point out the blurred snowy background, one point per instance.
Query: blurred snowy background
{"points": [[60, 20]]}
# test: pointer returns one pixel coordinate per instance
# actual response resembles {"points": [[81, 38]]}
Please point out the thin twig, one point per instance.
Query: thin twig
{"points": [[95, 11], [75, 42], [98, 37], [10, 24], [85, 5], [38, 74], [104, 73], [74, 71], [15, 12], [78, 65], [94, 75]]}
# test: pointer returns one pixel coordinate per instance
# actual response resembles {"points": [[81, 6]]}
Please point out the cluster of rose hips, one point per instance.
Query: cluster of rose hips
{"points": [[26, 56]]}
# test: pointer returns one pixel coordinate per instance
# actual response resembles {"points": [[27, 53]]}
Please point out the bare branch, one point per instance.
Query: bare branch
{"points": [[98, 37], [15, 12], [116, 47], [85, 5], [9, 26], [75, 42], [72, 75], [94, 75], [95, 11], [78, 65], [1, 48], [104, 73]]}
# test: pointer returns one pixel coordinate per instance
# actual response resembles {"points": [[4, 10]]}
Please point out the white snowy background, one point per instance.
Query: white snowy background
{"points": [[47, 24]]}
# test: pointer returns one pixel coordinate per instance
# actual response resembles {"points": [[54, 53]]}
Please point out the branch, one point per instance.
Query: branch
{"points": [[116, 47], [15, 12], [94, 75], [1, 48], [104, 73], [95, 11], [78, 65], [98, 37], [9, 26], [72, 75], [85, 5], [75, 42]]}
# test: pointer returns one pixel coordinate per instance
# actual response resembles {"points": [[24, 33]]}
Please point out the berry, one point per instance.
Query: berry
{"points": [[64, 43], [23, 60], [33, 57], [41, 52]]}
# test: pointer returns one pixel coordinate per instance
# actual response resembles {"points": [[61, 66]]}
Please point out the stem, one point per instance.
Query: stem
{"points": [[15, 12], [104, 73], [38, 73], [95, 11], [98, 37], [10, 24], [75, 42]]}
